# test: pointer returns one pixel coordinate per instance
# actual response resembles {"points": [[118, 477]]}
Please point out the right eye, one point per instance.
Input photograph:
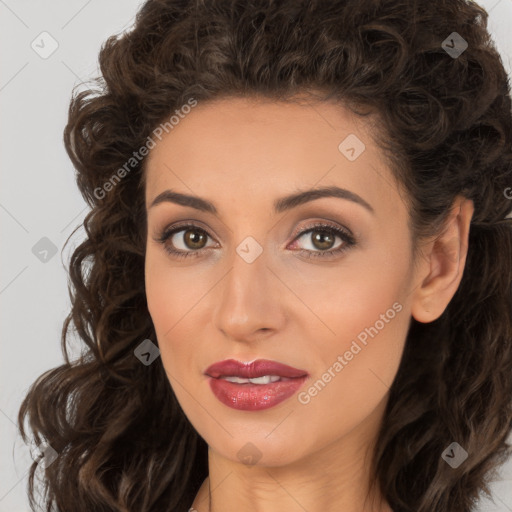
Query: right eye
{"points": [[193, 238]]}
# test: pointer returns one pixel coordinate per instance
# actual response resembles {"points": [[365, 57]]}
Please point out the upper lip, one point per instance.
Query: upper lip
{"points": [[258, 368]]}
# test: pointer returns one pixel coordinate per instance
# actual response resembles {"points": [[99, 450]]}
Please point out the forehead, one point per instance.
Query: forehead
{"points": [[229, 121], [257, 149]]}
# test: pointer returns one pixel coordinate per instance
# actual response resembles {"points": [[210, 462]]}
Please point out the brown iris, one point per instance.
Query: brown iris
{"points": [[323, 239], [193, 237]]}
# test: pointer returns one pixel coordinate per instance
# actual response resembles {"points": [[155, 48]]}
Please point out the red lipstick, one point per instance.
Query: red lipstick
{"points": [[272, 383]]}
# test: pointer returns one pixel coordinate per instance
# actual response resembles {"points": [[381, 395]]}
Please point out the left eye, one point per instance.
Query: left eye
{"points": [[194, 238], [323, 238]]}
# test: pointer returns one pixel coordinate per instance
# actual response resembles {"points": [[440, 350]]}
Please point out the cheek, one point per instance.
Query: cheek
{"points": [[174, 298], [365, 317], [358, 364], [171, 291]]}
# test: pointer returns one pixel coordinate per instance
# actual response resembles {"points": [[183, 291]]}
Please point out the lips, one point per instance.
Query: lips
{"points": [[258, 368], [229, 383]]}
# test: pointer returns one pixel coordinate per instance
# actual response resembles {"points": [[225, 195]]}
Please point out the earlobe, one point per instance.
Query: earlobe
{"points": [[424, 311], [442, 266]]}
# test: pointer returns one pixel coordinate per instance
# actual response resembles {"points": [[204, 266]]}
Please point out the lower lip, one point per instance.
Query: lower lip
{"points": [[254, 397]]}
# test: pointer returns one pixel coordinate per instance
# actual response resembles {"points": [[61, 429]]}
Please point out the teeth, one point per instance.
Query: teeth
{"points": [[265, 379]]}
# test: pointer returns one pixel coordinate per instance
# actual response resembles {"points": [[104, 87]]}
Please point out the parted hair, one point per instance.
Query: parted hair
{"points": [[444, 122]]}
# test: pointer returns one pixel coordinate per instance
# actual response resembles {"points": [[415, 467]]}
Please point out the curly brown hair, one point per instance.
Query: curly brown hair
{"points": [[445, 124]]}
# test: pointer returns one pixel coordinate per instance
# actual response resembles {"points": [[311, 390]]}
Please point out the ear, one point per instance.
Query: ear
{"points": [[439, 272]]}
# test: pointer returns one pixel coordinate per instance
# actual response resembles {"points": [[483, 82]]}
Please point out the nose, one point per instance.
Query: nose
{"points": [[250, 300]]}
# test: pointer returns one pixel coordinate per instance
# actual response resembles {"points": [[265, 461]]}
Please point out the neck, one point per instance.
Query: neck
{"points": [[331, 479]]}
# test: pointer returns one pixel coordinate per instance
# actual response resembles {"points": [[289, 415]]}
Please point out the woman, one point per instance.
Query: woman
{"points": [[295, 290]]}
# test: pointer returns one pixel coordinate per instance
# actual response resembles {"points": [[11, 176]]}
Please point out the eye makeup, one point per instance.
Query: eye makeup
{"points": [[321, 228]]}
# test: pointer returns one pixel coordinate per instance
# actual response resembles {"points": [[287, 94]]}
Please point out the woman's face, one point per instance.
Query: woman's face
{"points": [[257, 285]]}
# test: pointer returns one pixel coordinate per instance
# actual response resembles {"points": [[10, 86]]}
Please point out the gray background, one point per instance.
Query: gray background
{"points": [[40, 204]]}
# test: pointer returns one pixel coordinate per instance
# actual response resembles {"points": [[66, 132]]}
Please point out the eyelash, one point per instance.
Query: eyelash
{"points": [[348, 239]]}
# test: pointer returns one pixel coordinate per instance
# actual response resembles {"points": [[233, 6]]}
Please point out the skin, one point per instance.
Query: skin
{"points": [[243, 154]]}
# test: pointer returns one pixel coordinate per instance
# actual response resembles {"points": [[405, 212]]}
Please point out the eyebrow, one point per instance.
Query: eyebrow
{"points": [[280, 205]]}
